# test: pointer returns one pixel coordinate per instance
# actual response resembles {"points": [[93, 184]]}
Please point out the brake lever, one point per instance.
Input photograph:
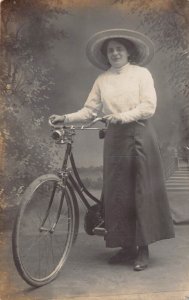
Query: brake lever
{"points": [[103, 120], [92, 123]]}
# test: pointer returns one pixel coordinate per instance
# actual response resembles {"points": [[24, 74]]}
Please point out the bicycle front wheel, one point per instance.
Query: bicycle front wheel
{"points": [[44, 230]]}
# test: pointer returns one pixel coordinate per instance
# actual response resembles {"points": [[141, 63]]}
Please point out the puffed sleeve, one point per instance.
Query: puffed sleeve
{"points": [[91, 108], [147, 99]]}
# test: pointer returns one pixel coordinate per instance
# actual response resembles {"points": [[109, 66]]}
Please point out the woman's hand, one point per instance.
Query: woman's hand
{"points": [[55, 120], [113, 118]]}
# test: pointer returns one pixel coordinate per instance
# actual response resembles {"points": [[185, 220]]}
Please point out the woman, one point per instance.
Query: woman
{"points": [[136, 207]]}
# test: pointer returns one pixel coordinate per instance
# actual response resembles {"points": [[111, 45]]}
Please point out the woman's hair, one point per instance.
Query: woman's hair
{"points": [[129, 45]]}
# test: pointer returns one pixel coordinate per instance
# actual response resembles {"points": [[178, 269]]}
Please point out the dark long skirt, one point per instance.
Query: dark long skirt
{"points": [[135, 199]]}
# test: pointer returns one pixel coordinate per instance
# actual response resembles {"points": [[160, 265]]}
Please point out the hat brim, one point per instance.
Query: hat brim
{"points": [[144, 45]]}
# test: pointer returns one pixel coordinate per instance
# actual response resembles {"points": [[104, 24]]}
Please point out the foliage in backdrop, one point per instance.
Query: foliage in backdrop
{"points": [[26, 86]]}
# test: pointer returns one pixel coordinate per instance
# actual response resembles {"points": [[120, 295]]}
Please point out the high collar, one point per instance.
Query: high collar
{"points": [[121, 69]]}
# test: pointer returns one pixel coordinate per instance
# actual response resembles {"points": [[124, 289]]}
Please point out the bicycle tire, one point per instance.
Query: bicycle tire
{"points": [[31, 208]]}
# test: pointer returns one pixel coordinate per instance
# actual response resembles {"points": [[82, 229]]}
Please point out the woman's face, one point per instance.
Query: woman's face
{"points": [[117, 54]]}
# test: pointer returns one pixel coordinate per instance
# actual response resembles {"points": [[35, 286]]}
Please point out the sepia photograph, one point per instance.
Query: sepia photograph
{"points": [[94, 149]]}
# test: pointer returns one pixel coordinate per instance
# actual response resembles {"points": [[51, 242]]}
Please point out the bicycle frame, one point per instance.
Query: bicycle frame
{"points": [[76, 182], [66, 177]]}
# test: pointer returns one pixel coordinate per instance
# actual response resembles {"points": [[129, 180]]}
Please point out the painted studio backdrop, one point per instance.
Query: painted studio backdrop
{"points": [[44, 71]]}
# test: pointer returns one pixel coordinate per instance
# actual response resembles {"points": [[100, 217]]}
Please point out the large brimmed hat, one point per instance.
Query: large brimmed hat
{"points": [[144, 46]]}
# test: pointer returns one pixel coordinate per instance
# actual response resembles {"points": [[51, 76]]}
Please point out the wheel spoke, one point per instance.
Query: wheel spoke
{"points": [[52, 249], [36, 241]]}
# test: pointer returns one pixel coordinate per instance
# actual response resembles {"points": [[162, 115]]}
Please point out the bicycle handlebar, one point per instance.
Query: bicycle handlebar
{"points": [[63, 133], [82, 127]]}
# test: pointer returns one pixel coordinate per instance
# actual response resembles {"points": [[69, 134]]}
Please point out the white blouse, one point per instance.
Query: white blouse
{"points": [[127, 92]]}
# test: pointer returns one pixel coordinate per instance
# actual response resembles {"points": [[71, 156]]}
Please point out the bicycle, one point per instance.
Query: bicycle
{"points": [[47, 222]]}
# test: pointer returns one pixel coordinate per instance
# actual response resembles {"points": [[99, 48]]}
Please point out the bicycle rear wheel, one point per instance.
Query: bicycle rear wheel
{"points": [[39, 252]]}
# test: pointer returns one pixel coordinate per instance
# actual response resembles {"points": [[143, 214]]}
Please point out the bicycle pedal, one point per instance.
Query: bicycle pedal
{"points": [[100, 231]]}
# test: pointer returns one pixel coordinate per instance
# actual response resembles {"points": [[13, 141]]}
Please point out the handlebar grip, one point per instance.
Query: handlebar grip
{"points": [[55, 126], [102, 133], [50, 123]]}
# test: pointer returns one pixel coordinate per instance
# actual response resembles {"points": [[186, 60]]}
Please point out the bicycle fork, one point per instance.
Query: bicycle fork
{"points": [[63, 175], [42, 228]]}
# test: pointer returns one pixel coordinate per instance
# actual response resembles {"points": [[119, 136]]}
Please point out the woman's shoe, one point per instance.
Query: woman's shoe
{"points": [[142, 259], [123, 255]]}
